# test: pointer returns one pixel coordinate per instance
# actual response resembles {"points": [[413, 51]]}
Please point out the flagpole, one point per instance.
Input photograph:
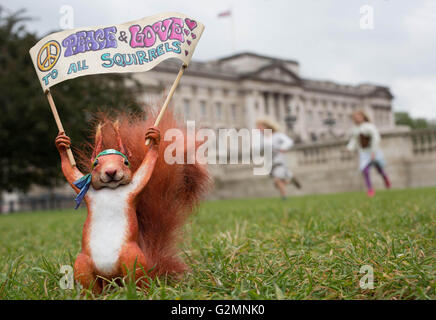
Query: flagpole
{"points": [[233, 29], [168, 98], [59, 123]]}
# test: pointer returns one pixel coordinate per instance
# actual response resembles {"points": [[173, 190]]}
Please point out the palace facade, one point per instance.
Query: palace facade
{"points": [[234, 91]]}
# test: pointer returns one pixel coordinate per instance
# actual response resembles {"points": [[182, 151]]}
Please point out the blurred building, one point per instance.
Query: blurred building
{"points": [[234, 91]]}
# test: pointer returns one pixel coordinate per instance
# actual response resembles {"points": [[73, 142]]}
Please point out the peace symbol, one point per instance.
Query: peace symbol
{"points": [[48, 55]]}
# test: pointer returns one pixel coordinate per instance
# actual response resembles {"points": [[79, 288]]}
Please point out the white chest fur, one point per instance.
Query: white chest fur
{"points": [[108, 226]]}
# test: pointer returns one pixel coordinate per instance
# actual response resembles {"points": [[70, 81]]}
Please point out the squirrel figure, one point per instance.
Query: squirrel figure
{"points": [[136, 202]]}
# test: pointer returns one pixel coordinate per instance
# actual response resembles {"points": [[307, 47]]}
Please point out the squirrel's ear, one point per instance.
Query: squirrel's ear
{"points": [[116, 126], [98, 142]]}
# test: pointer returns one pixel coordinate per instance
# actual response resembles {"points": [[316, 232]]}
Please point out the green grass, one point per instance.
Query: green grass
{"points": [[309, 247]]}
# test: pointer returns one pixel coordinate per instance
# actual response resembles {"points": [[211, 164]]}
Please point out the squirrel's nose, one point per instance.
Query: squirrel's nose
{"points": [[111, 173]]}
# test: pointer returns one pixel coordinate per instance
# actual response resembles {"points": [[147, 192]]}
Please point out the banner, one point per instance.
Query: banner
{"points": [[129, 47]]}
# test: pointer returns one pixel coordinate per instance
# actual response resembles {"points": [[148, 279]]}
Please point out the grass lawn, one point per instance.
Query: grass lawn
{"points": [[309, 247]]}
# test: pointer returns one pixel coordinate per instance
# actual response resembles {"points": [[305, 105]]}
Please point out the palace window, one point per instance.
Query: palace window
{"points": [[277, 111], [203, 109], [233, 110], [277, 106], [288, 109], [309, 116], [265, 102], [218, 110], [186, 108]]}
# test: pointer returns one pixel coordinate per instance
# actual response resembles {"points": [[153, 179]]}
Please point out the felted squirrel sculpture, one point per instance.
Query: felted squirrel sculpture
{"points": [[136, 201]]}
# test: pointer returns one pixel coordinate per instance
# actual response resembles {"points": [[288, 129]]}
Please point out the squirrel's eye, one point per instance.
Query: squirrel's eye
{"points": [[95, 163], [126, 162]]}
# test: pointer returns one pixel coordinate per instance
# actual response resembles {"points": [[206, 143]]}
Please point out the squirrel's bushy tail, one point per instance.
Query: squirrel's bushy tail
{"points": [[170, 195]]}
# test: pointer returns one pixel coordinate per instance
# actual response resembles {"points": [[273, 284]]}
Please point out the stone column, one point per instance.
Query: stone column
{"points": [[249, 109], [287, 110], [282, 110], [292, 103], [194, 104], [271, 105], [301, 120], [215, 96], [257, 105], [261, 103], [210, 108], [267, 107]]}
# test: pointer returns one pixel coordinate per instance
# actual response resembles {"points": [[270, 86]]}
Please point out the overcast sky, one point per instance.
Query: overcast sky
{"points": [[324, 36]]}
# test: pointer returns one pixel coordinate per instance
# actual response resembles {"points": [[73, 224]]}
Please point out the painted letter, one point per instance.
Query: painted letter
{"points": [[176, 30], [136, 38]]}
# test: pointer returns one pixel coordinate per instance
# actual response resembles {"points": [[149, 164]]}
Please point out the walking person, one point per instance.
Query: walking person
{"points": [[281, 143], [366, 139]]}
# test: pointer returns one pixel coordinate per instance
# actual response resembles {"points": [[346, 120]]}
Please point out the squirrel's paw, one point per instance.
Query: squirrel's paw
{"points": [[62, 141], [153, 134]]}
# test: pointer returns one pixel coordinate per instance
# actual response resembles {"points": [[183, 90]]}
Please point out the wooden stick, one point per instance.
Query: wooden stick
{"points": [[168, 99], [59, 123]]}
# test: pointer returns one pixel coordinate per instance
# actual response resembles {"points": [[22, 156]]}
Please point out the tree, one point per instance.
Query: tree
{"points": [[403, 118], [27, 128]]}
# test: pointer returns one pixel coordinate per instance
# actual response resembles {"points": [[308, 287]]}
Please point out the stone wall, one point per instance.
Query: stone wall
{"points": [[329, 168], [321, 168]]}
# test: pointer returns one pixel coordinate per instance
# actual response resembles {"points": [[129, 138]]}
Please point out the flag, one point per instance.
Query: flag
{"points": [[223, 14], [134, 46]]}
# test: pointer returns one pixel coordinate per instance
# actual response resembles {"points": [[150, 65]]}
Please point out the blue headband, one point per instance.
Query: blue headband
{"points": [[84, 182]]}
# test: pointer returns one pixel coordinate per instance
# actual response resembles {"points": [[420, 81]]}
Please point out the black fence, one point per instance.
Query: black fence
{"points": [[41, 202]]}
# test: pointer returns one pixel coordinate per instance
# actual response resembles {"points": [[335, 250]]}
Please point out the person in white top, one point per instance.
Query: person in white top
{"points": [[280, 144], [366, 139]]}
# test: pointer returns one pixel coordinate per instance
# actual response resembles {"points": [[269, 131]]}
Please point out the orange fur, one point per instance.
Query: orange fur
{"points": [[170, 195]]}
